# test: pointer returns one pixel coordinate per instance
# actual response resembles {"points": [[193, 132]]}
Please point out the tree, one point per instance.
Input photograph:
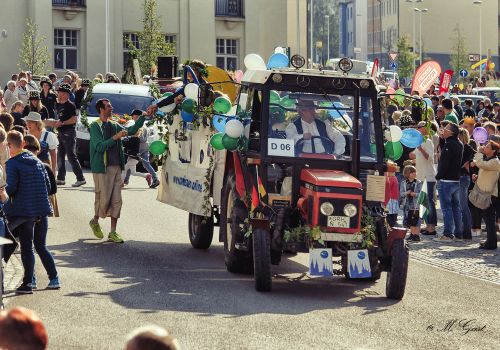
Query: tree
{"points": [[321, 9], [33, 54], [152, 42], [405, 57], [459, 58]]}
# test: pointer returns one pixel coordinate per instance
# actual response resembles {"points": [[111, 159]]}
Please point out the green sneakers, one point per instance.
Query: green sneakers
{"points": [[115, 237], [96, 229]]}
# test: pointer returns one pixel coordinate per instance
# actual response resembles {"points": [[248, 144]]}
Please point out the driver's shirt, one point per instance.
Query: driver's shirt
{"points": [[333, 134]]}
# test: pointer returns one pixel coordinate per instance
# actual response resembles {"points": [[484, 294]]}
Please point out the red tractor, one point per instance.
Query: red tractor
{"points": [[312, 139]]}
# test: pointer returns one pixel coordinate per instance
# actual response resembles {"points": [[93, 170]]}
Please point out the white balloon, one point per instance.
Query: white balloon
{"points": [[243, 100], [232, 111], [234, 128], [191, 91], [387, 134], [254, 62], [396, 133], [168, 108]]}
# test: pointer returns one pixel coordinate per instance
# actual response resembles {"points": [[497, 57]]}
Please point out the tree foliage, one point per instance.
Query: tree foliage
{"points": [[152, 42], [321, 9], [459, 57], [33, 54], [405, 57]]}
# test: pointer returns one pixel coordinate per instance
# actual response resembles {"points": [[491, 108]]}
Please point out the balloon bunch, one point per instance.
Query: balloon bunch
{"points": [[231, 137], [397, 138], [480, 135]]}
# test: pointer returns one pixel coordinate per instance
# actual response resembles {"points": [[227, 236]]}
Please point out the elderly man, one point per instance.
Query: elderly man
{"points": [[308, 126]]}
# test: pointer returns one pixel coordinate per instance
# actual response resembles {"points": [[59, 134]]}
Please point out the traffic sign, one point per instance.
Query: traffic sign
{"points": [[393, 56], [463, 73], [474, 57], [394, 65], [357, 50]]}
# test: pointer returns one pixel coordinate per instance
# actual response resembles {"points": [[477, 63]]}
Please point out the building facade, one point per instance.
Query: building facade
{"points": [[432, 21], [220, 32], [353, 22]]}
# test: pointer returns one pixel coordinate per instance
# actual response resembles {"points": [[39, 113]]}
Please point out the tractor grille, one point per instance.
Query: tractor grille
{"points": [[338, 205]]}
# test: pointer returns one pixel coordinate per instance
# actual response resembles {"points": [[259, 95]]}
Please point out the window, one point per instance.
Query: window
{"points": [[66, 49], [172, 39], [133, 39], [227, 54]]}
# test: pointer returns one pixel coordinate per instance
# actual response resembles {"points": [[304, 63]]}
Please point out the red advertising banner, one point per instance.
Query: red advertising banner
{"points": [[425, 76], [444, 84], [375, 68]]}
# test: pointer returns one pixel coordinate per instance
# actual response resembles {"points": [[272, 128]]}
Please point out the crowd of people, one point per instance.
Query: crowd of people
{"points": [[459, 158], [22, 329]]}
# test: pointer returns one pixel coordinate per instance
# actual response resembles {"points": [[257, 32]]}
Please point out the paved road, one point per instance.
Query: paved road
{"points": [[156, 277]]}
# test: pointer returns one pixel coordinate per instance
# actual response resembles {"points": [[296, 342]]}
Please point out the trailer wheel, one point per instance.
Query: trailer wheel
{"points": [[232, 226], [262, 260], [396, 277], [201, 231]]}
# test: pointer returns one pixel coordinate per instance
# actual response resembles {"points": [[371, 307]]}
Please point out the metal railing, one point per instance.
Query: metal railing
{"points": [[229, 8], [69, 3]]}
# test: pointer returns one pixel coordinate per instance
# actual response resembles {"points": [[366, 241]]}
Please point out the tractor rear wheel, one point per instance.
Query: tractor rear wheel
{"points": [[233, 226], [262, 260], [201, 231], [396, 277]]}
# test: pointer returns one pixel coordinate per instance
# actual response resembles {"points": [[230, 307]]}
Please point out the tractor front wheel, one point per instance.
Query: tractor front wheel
{"points": [[396, 277], [262, 260]]}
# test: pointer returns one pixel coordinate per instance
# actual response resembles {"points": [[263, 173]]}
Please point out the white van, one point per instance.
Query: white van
{"points": [[359, 67], [123, 97]]}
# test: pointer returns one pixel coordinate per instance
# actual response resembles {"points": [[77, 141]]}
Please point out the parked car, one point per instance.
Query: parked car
{"points": [[124, 98], [475, 99]]}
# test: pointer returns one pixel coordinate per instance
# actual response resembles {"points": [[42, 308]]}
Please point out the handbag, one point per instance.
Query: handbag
{"points": [[480, 199]]}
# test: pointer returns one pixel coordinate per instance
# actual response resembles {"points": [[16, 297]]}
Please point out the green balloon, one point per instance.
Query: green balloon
{"points": [[157, 147], [287, 102], [393, 150], [400, 96], [230, 143], [222, 105], [189, 106], [216, 142], [166, 94], [274, 96]]}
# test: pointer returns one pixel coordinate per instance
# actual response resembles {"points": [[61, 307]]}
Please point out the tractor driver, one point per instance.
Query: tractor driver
{"points": [[308, 126]]}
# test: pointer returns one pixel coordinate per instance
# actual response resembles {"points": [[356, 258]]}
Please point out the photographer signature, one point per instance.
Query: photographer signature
{"points": [[464, 326]]}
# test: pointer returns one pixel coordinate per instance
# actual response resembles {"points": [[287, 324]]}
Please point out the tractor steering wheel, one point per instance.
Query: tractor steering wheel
{"points": [[328, 144]]}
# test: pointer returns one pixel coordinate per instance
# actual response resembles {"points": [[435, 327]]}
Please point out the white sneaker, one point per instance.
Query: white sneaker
{"points": [[79, 183]]}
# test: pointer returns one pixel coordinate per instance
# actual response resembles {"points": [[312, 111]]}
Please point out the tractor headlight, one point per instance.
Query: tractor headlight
{"points": [[350, 210], [326, 208]]}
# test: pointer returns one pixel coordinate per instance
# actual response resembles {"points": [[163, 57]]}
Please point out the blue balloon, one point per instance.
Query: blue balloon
{"points": [[337, 114], [187, 117], [428, 102], [219, 122], [278, 60], [411, 138]]}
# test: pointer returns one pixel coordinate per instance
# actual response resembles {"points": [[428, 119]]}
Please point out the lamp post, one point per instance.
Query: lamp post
{"points": [[479, 3], [360, 44], [312, 29], [327, 17], [420, 11], [413, 36]]}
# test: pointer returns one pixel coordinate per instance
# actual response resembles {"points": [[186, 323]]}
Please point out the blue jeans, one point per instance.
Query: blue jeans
{"points": [[449, 197], [464, 202], [39, 240], [147, 165], [24, 226], [432, 216]]}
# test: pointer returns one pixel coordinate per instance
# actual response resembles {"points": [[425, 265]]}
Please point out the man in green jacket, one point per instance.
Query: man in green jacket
{"points": [[106, 163]]}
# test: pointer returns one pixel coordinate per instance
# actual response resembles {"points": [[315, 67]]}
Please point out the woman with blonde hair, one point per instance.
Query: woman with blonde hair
{"points": [[16, 111], [35, 105]]}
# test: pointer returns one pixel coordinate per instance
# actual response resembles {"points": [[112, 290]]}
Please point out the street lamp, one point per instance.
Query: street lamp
{"points": [[413, 36], [479, 3], [420, 11], [327, 17], [360, 44]]}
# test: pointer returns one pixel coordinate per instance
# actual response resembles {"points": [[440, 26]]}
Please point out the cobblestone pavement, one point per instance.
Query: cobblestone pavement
{"points": [[463, 258]]}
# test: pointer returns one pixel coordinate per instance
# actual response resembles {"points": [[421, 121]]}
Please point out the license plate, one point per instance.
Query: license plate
{"points": [[338, 221]]}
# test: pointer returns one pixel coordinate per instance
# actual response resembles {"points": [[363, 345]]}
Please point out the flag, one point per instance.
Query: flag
{"points": [[423, 201], [444, 84], [425, 76], [375, 68]]}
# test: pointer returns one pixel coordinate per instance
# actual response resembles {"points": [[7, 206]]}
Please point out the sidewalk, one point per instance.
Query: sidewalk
{"points": [[13, 274]]}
